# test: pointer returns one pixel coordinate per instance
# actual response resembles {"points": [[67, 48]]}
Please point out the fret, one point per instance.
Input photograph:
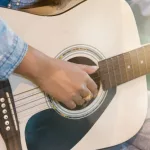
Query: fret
{"points": [[111, 72], [103, 67], [125, 67], [104, 75], [128, 66], [147, 57], [106, 81], [122, 68], [135, 66], [141, 61], [116, 70]]}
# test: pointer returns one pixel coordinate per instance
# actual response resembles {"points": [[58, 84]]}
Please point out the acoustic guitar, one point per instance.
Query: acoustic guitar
{"points": [[100, 32]]}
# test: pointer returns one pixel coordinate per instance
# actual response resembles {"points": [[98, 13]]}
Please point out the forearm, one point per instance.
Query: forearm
{"points": [[33, 64], [16, 56]]}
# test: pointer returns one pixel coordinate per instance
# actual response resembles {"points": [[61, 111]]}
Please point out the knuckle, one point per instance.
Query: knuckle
{"points": [[81, 88], [67, 99], [73, 95]]}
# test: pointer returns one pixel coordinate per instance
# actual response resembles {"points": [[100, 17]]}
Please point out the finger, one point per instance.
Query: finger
{"points": [[95, 94], [78, 100], [70, 104], [88, 69], [92, 86], [85, 92]]}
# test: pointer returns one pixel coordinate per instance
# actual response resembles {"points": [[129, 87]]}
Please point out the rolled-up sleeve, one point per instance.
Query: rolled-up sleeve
{"points": [[12, 50]]}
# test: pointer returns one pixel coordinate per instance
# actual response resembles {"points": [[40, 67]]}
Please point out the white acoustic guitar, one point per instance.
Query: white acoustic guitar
{"points": [[101, 32]]}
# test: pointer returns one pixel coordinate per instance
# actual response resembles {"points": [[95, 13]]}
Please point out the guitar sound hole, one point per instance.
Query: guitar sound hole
{"points": [[95, 77]]}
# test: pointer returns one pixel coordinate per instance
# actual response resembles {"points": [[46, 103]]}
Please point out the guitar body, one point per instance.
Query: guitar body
{"points": [[106, 26]]}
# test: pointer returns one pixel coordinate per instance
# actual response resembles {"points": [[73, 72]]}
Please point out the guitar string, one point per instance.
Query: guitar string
{"points": [[43, 97], [30, 102], [19, 106], [35, 93], [18, 112], [26, 91], [28, 97], [30, 108], [37, 87]]}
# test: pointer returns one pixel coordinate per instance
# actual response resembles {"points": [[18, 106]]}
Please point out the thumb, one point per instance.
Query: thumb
{"points": [[88, 69]]}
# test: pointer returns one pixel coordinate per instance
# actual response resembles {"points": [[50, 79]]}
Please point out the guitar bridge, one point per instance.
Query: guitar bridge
{"points": [[9, 126]]}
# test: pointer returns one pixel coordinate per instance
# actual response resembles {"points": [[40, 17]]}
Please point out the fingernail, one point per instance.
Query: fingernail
{"points": [[95, 67], [73, 105], [95, 94]]}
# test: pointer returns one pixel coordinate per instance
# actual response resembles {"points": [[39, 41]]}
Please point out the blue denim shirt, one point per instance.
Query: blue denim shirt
{"points": [[12, 50], [12, 47], [15, 4]]}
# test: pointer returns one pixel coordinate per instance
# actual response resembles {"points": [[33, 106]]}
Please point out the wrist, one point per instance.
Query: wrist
{"points": [[33, 64]]}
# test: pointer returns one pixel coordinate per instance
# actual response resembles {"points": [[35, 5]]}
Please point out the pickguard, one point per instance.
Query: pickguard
{"points": [[62, 133]]}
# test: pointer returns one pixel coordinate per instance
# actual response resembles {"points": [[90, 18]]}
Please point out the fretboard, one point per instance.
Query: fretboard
{"points": [[124, 67]]}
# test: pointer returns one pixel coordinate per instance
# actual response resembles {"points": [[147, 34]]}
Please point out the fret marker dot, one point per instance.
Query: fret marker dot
{"points": [[129, 67], [142, 61]]}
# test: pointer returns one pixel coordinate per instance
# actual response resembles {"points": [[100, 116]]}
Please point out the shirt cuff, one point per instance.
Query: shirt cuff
{"points": [[13, 58]]}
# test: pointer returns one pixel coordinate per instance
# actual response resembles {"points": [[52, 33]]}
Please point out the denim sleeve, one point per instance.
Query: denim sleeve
{"points": [[12, 50]]}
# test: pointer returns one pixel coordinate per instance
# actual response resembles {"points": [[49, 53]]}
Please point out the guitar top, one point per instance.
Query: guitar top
{"points": [[94, 30]]}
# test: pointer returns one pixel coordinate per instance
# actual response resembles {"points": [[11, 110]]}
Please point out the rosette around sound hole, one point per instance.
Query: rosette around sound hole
{"points": [[94, 76]]}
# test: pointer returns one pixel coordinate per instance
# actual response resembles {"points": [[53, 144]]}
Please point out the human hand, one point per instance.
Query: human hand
{"points": [[67, 82]]}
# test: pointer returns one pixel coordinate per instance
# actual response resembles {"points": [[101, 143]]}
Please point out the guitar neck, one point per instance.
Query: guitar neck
{"points": [[125, 67]]}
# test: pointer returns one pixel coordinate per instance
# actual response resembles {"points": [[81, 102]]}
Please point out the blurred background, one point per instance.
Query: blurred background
{"points": [[141, 10]]}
